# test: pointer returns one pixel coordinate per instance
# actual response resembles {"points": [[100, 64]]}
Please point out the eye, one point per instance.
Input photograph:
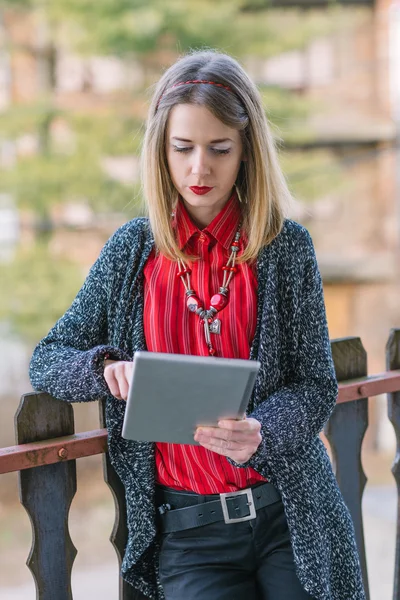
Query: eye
{"points": [[185, 149], [181, 148], [221, 151]]}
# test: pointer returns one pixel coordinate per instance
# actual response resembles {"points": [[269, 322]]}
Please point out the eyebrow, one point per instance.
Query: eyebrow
{"points": [[212, 141]]}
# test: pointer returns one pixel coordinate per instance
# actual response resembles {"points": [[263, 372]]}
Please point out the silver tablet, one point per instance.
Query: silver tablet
{"points": [[171, 394]]}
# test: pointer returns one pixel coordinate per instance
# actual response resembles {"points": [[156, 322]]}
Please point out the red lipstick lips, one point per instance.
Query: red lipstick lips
{"points": [[200, 191]]}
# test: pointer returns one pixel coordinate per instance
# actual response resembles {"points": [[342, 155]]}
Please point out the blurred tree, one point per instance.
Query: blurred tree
{"points": [[313, 174], [139, 27], [64, 172], [153, 33], [42, 286], [131, 28]]}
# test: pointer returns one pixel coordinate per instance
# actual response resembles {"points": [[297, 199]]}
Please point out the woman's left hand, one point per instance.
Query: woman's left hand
{"points": [[237, 440]]}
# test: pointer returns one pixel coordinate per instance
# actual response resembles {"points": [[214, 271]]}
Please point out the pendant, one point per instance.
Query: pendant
{"points": [[215, 326], [207, 333]]}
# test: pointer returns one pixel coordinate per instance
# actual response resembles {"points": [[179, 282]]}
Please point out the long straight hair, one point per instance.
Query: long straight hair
{"points": [[260, 182]]}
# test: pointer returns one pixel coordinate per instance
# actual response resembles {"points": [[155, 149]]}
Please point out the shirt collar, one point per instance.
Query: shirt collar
{"points": [[223, 227]]}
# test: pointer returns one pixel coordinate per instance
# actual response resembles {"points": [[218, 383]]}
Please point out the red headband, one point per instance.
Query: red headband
{"points": [[195, 81]]}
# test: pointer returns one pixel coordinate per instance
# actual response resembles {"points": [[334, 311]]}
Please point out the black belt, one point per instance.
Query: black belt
{"points": [[230, 507]]}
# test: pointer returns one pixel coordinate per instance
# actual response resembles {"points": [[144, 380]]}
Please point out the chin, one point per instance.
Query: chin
{"points": [[200, 202]]}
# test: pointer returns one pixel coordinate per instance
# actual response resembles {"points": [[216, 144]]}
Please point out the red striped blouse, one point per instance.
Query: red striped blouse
{"points": [[170, 327]]}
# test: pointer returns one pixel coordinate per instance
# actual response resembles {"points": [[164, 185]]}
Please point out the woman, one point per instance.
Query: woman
{"points": [[218, 270]]}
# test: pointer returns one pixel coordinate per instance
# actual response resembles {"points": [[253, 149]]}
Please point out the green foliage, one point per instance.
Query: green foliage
{"points": [[40, 182], [17, 4], [37, 288], [138, 27], [27, 118], [141, 27], [61, 174], [111, 134], [313, 173], [281, 104]]}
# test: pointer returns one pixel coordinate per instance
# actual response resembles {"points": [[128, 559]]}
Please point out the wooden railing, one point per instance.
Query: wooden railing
{"points": [[47, 449]]}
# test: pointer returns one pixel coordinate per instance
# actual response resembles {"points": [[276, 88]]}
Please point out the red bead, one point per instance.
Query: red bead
{"points": [[180, 273], [219, 301], [236, 244], [211, 351], [193, 303], [231, 269]]}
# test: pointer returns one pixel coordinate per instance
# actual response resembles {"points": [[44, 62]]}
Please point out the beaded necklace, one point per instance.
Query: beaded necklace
{"points": [[217, 302]]}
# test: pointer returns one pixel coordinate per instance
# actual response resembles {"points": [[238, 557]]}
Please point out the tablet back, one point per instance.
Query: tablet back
{"points": [[171, 394]]}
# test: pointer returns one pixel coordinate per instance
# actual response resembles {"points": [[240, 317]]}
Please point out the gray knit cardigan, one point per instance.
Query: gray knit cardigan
{"points": [[294, 395]]}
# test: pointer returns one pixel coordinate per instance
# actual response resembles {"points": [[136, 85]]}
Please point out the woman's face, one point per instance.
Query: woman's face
{"points": [[203, 152]]}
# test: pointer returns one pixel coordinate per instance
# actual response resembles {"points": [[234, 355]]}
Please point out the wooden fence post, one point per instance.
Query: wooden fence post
{"points": [[345, 431], [119, 534], [393, 362], [46, 493]]}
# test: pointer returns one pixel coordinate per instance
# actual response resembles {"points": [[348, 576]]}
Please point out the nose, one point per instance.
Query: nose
{"points": [[200, 163]]}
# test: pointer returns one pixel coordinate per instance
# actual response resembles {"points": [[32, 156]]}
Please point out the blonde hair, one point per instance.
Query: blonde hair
{"points": [[260, 182]]}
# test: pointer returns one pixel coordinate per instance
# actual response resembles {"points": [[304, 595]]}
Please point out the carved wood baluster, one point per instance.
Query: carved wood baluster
{"points": [[119, 534], [46, 493], [345, 431], [392, 363]]}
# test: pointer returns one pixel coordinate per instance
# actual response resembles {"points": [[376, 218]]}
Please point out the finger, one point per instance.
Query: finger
{"points": [[112, 382], [210, 433], [118, 378], [128, 368], [220, 442], [123, 386], [248, 424], [217, 447], [247, 435], [239, 456]]}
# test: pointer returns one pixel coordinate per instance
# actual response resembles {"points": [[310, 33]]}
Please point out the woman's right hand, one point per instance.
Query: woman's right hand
{"points": [[118, 375]]}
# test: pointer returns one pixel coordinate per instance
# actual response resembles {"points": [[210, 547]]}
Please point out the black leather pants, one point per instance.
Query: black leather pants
{"points": [[250, 560]]}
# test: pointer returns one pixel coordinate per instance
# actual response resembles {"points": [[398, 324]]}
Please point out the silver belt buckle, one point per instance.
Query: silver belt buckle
{"points": [[250, 503]]}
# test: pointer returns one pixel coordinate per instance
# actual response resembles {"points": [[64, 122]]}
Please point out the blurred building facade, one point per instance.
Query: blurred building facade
{"points": [[356, 231]]}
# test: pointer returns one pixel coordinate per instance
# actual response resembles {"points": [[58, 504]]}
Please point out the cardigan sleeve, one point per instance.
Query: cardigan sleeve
{"points": [[68, 362], [294, 414]]}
